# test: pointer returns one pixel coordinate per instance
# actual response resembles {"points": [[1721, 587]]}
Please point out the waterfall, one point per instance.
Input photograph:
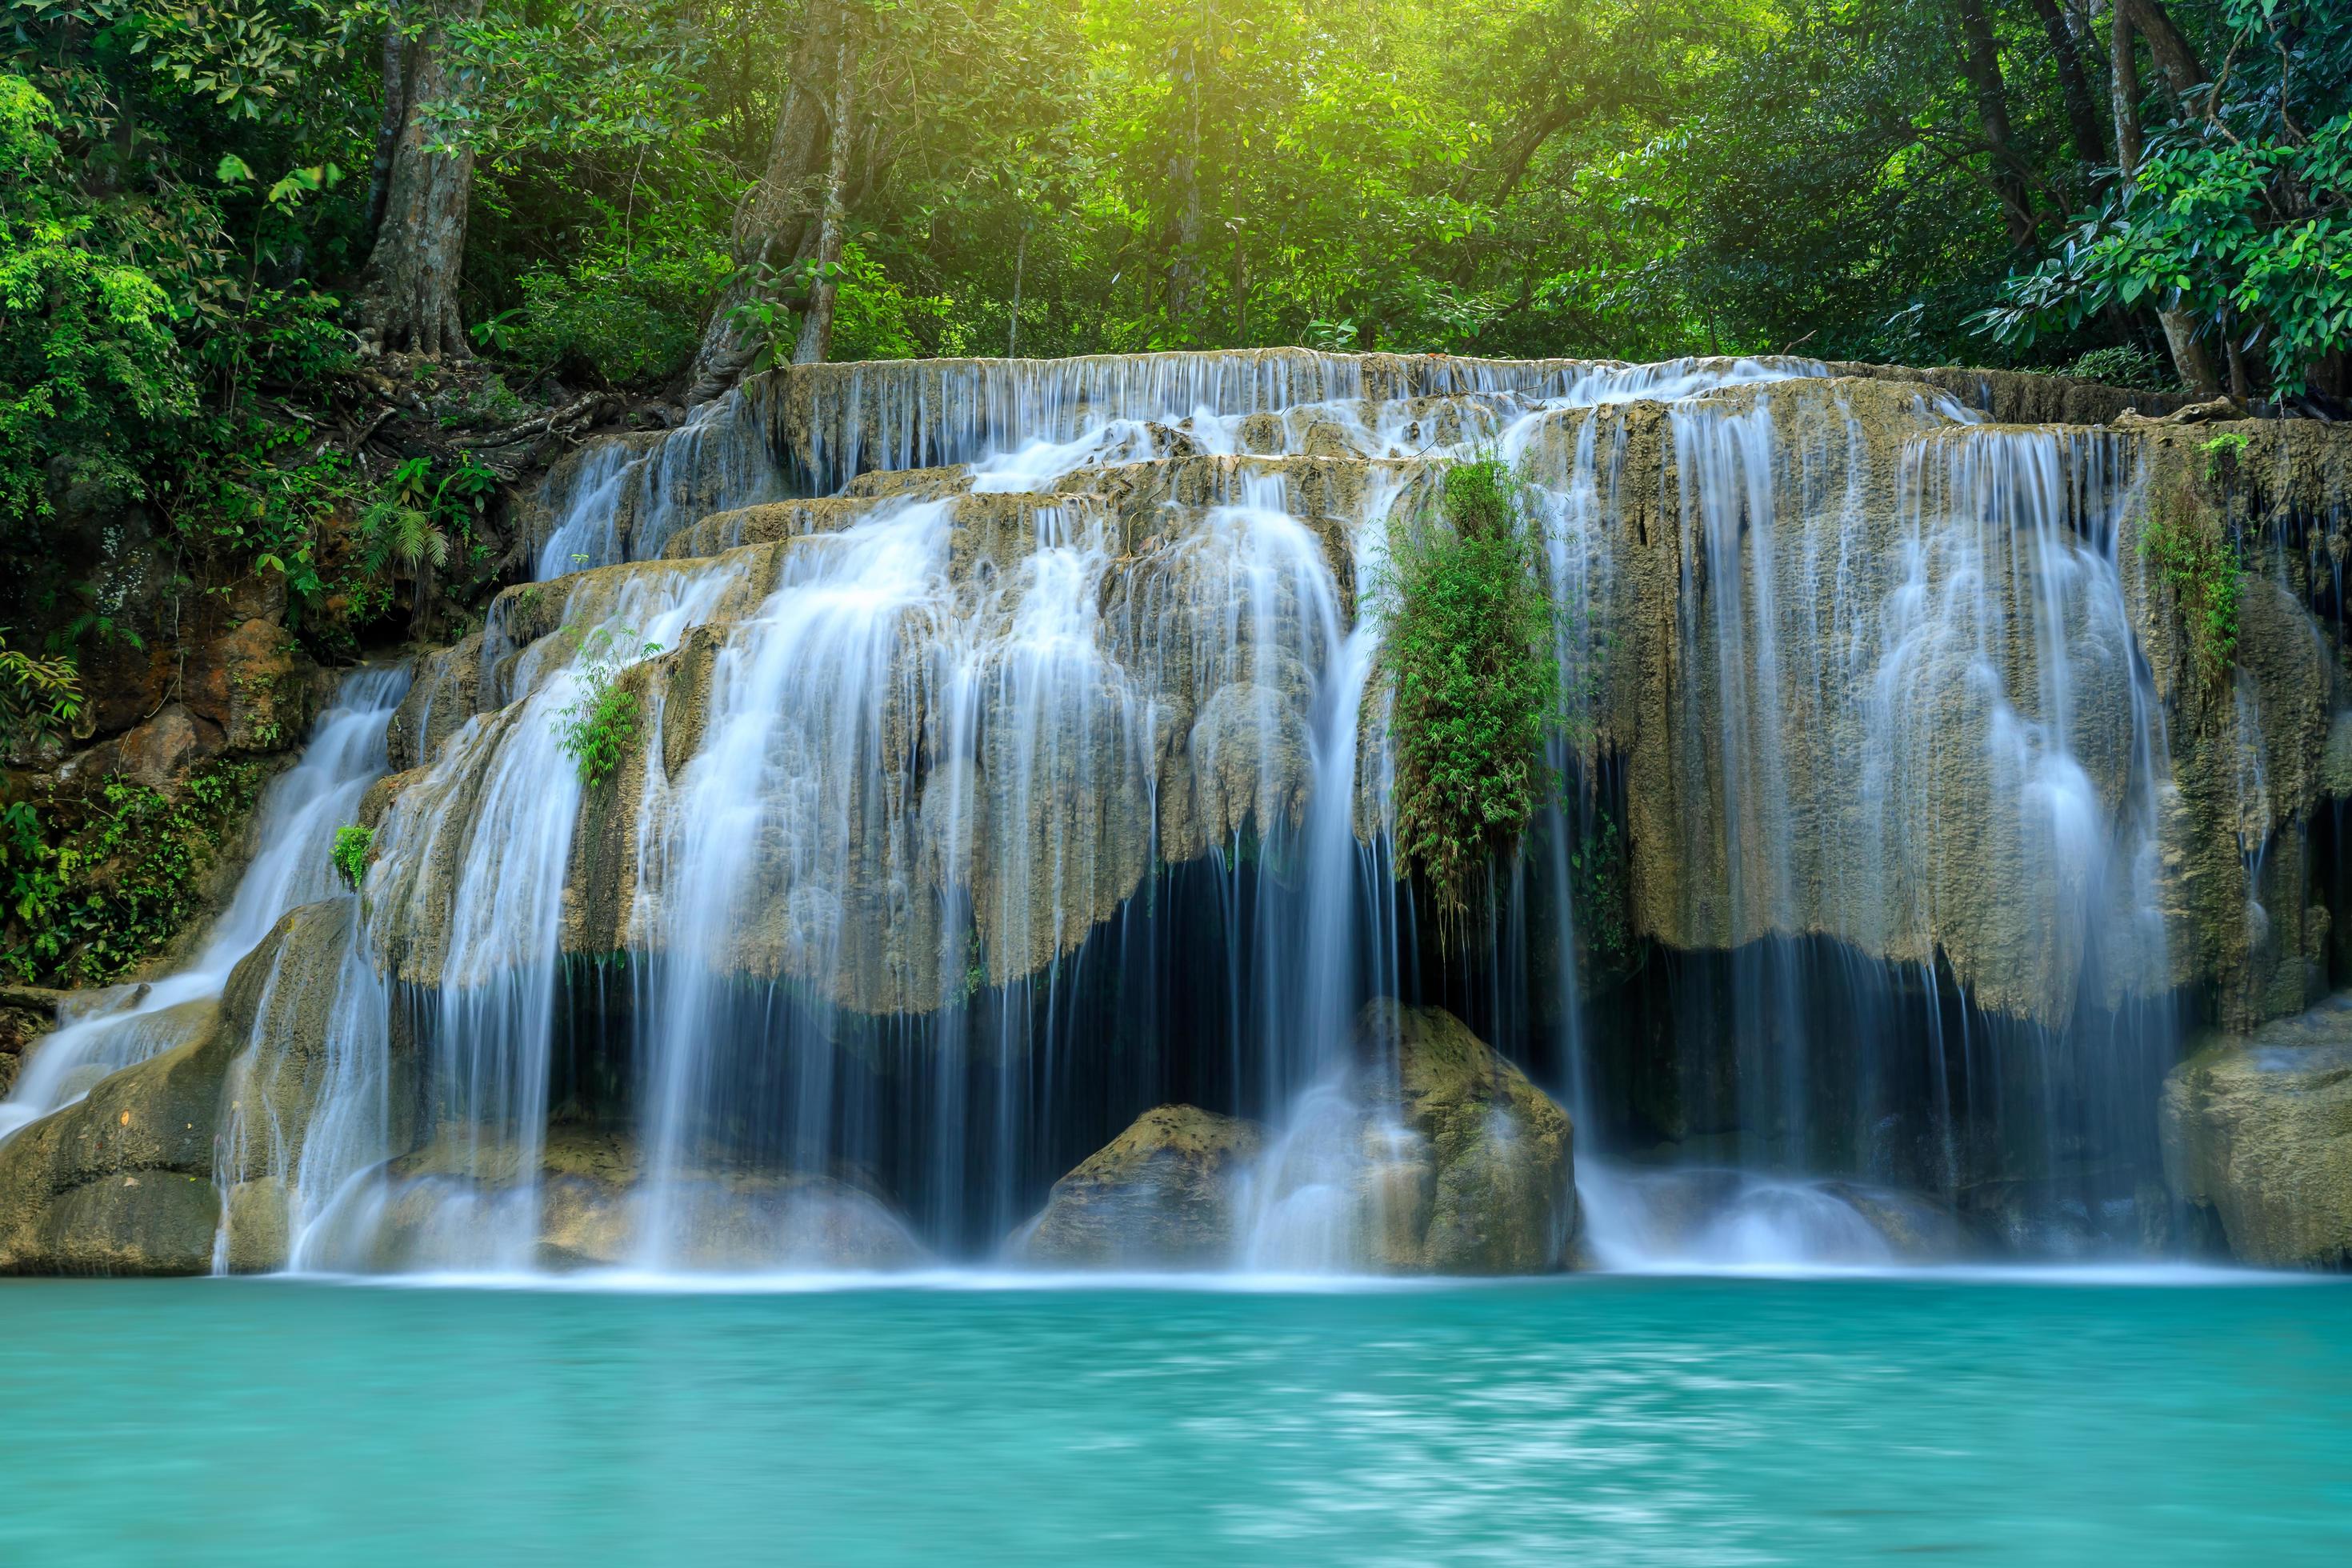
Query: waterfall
{"points": [[1006, 753], [293, 831]]}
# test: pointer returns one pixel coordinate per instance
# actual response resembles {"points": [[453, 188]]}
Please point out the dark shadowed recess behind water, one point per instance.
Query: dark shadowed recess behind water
{"points": [[1607, 1420]]}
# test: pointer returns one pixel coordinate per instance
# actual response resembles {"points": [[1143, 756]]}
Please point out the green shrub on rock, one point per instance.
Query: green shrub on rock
{"points": [[1469, 653], [350, 852]]}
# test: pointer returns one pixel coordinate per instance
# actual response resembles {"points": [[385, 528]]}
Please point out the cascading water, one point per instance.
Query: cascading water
{"points": [[966, 811], [292, 832]]}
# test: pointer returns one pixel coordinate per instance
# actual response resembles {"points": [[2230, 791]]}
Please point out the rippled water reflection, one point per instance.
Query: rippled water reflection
{"points": [[1625, 1421]]}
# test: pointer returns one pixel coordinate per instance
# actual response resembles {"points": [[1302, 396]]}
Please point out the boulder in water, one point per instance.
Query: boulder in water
{"points": [[1163, 1194], [1434, 1155], [454, 1206], [1487, 1164], [2258, 1135], [120, 1182]]}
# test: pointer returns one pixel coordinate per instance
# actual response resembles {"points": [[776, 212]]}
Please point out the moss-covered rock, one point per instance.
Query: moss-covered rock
{"points": [[1163, 1195], [2258, 1134], [1481, 1180]]}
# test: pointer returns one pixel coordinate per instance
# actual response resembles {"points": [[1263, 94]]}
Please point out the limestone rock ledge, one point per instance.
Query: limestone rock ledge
{"points": [[2258, 1135]]}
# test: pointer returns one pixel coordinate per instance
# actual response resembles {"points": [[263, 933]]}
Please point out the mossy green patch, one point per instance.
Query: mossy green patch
{"points": [[1469, 654]]}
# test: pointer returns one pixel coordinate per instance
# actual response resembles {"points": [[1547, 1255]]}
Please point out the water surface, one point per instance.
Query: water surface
{"points": [[1595, 1419]]}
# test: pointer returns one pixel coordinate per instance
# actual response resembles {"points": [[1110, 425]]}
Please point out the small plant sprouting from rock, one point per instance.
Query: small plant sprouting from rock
{"points": [[2207, 583], [350, 852], [594, 726], [2222, 453], [1469, 652]]}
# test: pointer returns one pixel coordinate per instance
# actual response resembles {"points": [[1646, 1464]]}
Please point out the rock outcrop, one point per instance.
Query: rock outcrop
{"points": [[436, 1208], [1430, 1154], [2258, 1136], [1165, 1194], [1468, 1167], [129, 1179]]}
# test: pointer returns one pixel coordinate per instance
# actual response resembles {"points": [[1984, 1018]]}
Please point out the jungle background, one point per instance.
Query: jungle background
{"points": [[297, 296]]}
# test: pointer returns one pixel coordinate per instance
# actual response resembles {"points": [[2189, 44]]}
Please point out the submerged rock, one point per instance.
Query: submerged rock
{"points": [[2258, 1134], [1164, 1194]]}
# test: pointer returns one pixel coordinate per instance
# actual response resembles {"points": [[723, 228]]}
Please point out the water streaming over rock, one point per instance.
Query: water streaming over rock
{"points": [[1006, 754], [293, 831]]}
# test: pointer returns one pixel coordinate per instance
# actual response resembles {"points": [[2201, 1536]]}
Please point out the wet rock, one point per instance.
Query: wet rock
{"points": [[2257, 1132], [1431, 1156], [1163, 1195], [454, 1204], [122, 1181], [1482, 1182], [119, 1183], [439, 701], [1915, 1227]]}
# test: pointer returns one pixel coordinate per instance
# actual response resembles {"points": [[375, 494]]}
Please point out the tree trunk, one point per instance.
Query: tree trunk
{"points": [[408, 294], [399, 74], [772, 220], [1183, 270], [2189, 361], [2074, 87], [816, 325], [1980, 59], [2123, 92], [1020, 263], [2183, 72]]}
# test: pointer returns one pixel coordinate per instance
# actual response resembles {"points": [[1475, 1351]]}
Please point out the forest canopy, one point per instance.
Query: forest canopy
{"points": [[215, 214]]}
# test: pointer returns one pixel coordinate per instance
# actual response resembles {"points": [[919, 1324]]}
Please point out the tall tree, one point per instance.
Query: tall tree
{"points": [[2189, 360], [2074, 85], [1980, 59], [771, 225], [408, 293], [824, 281]]}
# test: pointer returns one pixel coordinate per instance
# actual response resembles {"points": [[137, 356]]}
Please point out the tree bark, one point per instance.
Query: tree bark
{"points": [[2190, 362], [1980, 59], [1183, 267], [2183, 72], [774, 219], [408, 294], [2074, 87], [399, 73], [816, 325], [2123, 92]]}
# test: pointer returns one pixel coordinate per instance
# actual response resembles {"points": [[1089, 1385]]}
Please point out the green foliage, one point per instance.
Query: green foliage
{"points": [[624, 318], [97, 885], [89, 363], [2222, 452], [593, 728], [350, 852], [1596, 871], [39, 698], [1468, 649], [2237, 214], [2125, 364], [2208, 583], [412, 521]]}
